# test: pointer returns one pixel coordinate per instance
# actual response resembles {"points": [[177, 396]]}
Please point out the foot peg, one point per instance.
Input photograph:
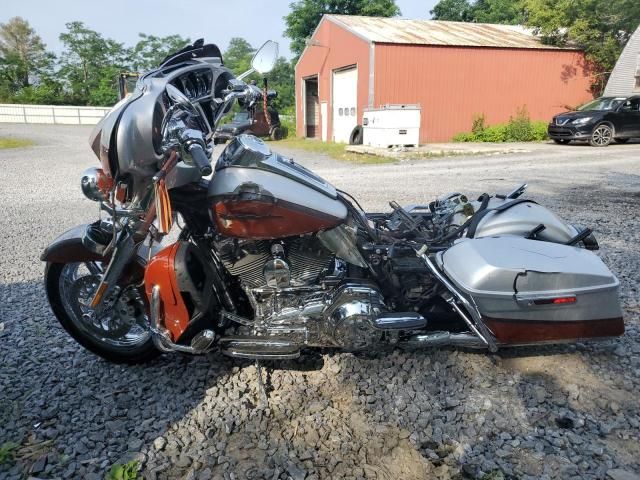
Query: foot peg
{"points": [[203, 341], [400, 321], [259, 348]]}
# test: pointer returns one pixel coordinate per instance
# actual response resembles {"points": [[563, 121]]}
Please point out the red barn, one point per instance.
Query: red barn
{"points": [[452, 70]]}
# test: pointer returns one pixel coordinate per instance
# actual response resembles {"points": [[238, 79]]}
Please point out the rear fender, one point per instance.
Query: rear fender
{"points": [[68, 248]]}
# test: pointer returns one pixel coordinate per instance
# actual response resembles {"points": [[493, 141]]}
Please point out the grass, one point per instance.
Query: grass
{"points": [[128, 471], [7, 142], [7, 452], [493, 475], [332, 149]]}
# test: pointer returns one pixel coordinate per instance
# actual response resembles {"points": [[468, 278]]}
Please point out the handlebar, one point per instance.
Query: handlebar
{"points": [[200, 159]]}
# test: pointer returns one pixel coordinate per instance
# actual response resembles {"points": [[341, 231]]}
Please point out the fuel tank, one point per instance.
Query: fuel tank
{"points": [[258, 194]]}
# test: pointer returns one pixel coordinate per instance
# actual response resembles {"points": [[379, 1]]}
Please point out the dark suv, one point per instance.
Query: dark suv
{"points": [[599, 122]]}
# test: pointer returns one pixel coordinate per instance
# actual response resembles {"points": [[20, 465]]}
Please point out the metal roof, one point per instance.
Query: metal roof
{"points": [[436, 32]]}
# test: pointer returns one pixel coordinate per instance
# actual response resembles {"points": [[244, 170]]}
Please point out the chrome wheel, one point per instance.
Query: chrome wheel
{"points": [[602, 136], [122, 324]]}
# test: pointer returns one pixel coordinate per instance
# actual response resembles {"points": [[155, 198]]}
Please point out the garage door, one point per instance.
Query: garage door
{"points": [[345, 103]]}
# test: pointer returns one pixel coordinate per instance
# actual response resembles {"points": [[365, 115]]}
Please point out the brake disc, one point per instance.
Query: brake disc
{"points": [[125, 308]]}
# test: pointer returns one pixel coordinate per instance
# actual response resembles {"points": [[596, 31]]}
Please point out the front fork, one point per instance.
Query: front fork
{"points": [[136, 224], [124, 251]]}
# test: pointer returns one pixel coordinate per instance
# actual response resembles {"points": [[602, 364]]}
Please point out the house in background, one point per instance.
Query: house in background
{"points": [[625, 77], [452, 70]]}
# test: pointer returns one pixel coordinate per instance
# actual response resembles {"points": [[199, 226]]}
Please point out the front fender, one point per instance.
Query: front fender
{"points": [[68, 248]]}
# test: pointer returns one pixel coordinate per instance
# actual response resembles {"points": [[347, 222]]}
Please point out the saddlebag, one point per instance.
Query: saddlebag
{"points": [[531, 291]]}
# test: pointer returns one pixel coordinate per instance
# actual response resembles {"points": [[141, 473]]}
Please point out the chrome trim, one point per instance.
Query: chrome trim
{"points": [[479, 325], [201, 343], [399, 321], [261, 356], [89, 184], [260, 348], [441, 339], [237, 318]]}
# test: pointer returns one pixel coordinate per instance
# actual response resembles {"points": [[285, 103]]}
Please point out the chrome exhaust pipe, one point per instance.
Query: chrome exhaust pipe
{"points": [[477, 326], [442, 339]]}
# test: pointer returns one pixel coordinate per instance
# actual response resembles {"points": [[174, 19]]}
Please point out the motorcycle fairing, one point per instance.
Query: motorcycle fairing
{"points": [[186, 286]]}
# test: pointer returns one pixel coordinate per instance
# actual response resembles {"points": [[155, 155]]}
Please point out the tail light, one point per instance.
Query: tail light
{"points": [[555, 301]]}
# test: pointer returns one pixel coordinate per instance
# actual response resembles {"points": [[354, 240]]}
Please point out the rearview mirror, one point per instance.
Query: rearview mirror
{"points": [[265, 58]]}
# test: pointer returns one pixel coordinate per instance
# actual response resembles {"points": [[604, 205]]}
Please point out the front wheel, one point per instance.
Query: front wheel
{"points": [[601, 136], [120, 334]]}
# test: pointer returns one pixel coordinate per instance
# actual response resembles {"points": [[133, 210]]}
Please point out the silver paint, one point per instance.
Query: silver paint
{"points": [[232, 180], [504, 275]]}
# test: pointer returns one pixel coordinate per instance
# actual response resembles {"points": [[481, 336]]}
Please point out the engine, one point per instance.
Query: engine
{"points": [[296, 262], [298, 290]]}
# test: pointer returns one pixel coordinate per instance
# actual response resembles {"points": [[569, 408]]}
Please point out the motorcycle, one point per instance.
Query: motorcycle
{"points": [[266, 259], [257, 118]]}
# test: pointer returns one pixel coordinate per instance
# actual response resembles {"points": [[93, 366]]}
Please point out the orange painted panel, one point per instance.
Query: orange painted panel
{"points": [[161, 271], [331, 48], [453, 83]]}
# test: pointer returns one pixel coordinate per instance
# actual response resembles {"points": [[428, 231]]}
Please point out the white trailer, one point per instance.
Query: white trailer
{"points": [[391, 125]]}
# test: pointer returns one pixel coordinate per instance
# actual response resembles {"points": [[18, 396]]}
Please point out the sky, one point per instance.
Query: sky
{"points": [[215, 20]]}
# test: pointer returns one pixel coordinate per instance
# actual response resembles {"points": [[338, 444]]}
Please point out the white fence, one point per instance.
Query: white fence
{"points": [[64, 115]]}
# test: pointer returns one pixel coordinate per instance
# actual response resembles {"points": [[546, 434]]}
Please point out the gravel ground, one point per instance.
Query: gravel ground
{"points": [[553, 412]]}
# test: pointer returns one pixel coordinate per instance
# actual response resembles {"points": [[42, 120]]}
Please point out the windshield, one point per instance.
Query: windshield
{"points": [[241, 117], [604, 103]]}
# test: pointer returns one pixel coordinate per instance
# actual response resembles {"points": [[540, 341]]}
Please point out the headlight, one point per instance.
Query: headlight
{"points": [[95, 184], [582, 121]]}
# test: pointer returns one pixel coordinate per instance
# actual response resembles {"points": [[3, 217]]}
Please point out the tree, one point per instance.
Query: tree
{"points": [[150, 50], [600, 27], [281, 80], [306, 14], [508, 12], [24, 59], [452, 10], [237, 57], [90, 65]]}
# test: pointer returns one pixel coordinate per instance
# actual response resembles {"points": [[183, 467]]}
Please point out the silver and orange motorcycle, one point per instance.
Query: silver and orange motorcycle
{"points": [[260, 258]]}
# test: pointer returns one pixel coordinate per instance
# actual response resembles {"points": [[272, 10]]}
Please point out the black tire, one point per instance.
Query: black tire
{"points": [[602, 135], [131, 355], [562, 141], [621, 140], [356, 136], [277, 134]]}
